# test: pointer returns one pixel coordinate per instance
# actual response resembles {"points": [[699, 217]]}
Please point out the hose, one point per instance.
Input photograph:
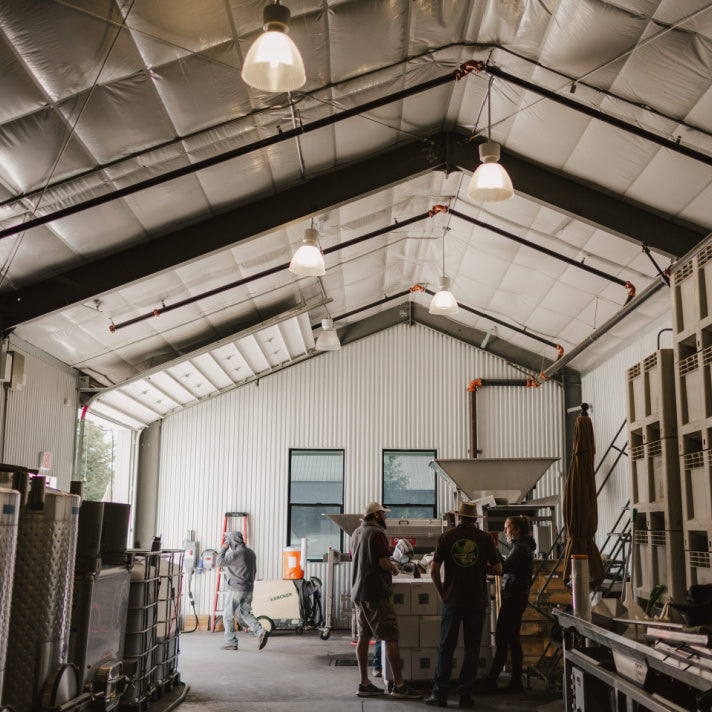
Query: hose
{"points": [[192, 602]]}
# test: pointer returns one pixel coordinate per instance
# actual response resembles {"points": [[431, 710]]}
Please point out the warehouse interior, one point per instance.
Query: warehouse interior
{"points": [[151, 204]]}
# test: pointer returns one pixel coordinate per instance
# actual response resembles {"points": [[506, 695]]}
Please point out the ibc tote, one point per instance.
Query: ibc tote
{"points": [[9, 512], [42, 593]]}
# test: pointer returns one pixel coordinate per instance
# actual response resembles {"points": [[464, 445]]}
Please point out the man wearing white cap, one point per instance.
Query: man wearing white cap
{"points": [[371, 592]]}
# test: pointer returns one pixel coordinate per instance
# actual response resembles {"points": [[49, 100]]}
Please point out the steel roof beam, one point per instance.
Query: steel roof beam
{"points": [[446, 150]]}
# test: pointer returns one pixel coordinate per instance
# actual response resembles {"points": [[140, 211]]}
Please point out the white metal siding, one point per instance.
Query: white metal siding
{"points": [[38, 419], [606, 389], [401, 388]]}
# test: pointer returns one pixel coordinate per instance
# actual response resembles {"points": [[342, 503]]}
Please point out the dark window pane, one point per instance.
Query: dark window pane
{"points": [[319, 531], [408, 479]]}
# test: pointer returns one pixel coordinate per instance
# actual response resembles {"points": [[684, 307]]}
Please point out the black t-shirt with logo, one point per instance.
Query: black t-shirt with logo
{"points": [[466, 551]]}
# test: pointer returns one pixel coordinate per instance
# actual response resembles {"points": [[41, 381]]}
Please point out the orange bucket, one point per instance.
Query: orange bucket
{"points": [[292, 563]]}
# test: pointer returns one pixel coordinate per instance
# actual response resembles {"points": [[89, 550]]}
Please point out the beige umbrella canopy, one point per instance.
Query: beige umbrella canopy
{"points": [[580, 507]]}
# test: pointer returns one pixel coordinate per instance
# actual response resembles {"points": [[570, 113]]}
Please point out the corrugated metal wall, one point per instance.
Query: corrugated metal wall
{"points": [[401, 388], [37, 419], [606, 389]]}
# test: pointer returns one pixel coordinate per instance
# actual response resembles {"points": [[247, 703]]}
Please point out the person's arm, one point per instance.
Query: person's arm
{"points": [[494, 559], [383, 555], [435, 575], [516, 559]]}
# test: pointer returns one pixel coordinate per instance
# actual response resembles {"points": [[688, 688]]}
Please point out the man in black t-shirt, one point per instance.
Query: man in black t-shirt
{"points": [[467, 553]]}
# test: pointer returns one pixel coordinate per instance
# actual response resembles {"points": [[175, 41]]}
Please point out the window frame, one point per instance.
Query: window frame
{"points": [[291, 504], [390, 505]]}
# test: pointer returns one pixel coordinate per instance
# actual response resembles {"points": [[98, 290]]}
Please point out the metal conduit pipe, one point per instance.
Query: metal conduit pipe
{"points": [[240, 151], [598, 114], [265, 273], [463, 70], [539, 248], [472, 390], [602, 330], [518, 329]]}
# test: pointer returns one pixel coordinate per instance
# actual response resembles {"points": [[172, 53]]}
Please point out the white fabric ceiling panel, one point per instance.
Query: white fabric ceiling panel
{"points": [[182, 199], [567, 299], [586, 35], [212, 93], [146, 389], [144, 125], [192, 379], [126, 403], [100, 229], [698, 210], [41, 252], [167, 31], [16, 82], [546, 322], [26, 144], [671, 182], [611, 248], [233, 362], [211, 367], [529, 279], [650, 76]]}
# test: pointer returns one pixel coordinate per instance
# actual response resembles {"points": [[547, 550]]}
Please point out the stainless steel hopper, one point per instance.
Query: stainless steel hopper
{"points": [[507, 478]]}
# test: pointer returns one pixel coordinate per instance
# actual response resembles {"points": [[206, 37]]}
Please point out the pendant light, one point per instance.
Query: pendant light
{"points": [[490, 183], [273, 62], [308, 260], [328, 340], [443, 302]]}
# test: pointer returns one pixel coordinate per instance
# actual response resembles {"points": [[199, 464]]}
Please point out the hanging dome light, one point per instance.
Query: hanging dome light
{"points": [[490, 183], [308, 260], [273, 62], [328, 340], [443, 302]]}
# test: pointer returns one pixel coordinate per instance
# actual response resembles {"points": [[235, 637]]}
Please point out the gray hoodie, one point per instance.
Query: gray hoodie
{"points": [[239, 564]]}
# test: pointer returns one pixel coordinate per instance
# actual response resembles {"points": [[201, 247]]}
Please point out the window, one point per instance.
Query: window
{"points": [[316, 487], [409, 484]]}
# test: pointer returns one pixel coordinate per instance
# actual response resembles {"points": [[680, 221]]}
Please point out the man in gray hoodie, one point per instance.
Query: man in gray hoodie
{"points": [[239, 565]]}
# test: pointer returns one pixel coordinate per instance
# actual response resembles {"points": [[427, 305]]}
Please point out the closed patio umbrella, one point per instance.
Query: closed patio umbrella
{"points": [[580, 508]]}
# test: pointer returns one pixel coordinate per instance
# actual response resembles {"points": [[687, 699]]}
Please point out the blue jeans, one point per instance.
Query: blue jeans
{"points": [[237, 603], [472, 624]]}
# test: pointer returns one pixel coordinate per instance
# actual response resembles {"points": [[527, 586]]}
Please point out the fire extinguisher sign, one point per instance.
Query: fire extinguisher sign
{"points": [[45, 461]]}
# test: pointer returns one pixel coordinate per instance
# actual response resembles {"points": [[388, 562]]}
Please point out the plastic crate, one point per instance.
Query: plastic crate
{"points": [[698, 542], [685, 298], [696, 487], [636, 395], [664, 556], [659, 386], [703, 265]]}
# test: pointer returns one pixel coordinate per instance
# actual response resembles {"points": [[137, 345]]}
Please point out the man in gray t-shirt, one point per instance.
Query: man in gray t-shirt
{"points": [[239, 565]]}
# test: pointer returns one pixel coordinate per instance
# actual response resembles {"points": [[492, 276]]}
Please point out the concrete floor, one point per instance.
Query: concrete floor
{"points": [[297, 673]]}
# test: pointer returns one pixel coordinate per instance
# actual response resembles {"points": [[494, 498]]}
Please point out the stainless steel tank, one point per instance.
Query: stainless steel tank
{"points": [[9, 513], [42, 594]]}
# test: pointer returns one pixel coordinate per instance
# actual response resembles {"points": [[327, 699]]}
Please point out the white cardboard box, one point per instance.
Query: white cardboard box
{"points": [[422, 663], [409, 633], [429, 628], [405, 664], [424, 599], [401, 597]]}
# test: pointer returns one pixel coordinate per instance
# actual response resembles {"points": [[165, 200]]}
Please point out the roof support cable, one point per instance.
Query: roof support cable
{"points": [[300, 156], [665, 274]]}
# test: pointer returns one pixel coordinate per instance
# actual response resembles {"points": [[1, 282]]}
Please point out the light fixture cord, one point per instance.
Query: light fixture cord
{"points": [[489, 109], [443, 253]]}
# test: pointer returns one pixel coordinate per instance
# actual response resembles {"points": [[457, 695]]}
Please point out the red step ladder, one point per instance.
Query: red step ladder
{"points": [[232, 522]]}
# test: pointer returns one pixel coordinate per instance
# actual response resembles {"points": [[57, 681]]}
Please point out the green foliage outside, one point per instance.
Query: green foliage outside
{"points": [[97, 462]]}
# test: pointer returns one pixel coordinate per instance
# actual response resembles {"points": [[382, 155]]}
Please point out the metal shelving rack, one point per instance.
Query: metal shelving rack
{"points": [[605, 671]]}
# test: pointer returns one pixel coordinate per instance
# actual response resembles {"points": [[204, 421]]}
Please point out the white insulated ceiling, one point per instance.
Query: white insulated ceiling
{"points": [[100, 96]]}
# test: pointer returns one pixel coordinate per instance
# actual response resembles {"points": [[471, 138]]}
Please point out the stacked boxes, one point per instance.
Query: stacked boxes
{"points": [[655, 475], [692, 326], [418, 607]]}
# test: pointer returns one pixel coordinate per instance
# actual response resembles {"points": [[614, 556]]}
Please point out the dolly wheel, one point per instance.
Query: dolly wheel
{"points": [[324, 635], [266, 622]]}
